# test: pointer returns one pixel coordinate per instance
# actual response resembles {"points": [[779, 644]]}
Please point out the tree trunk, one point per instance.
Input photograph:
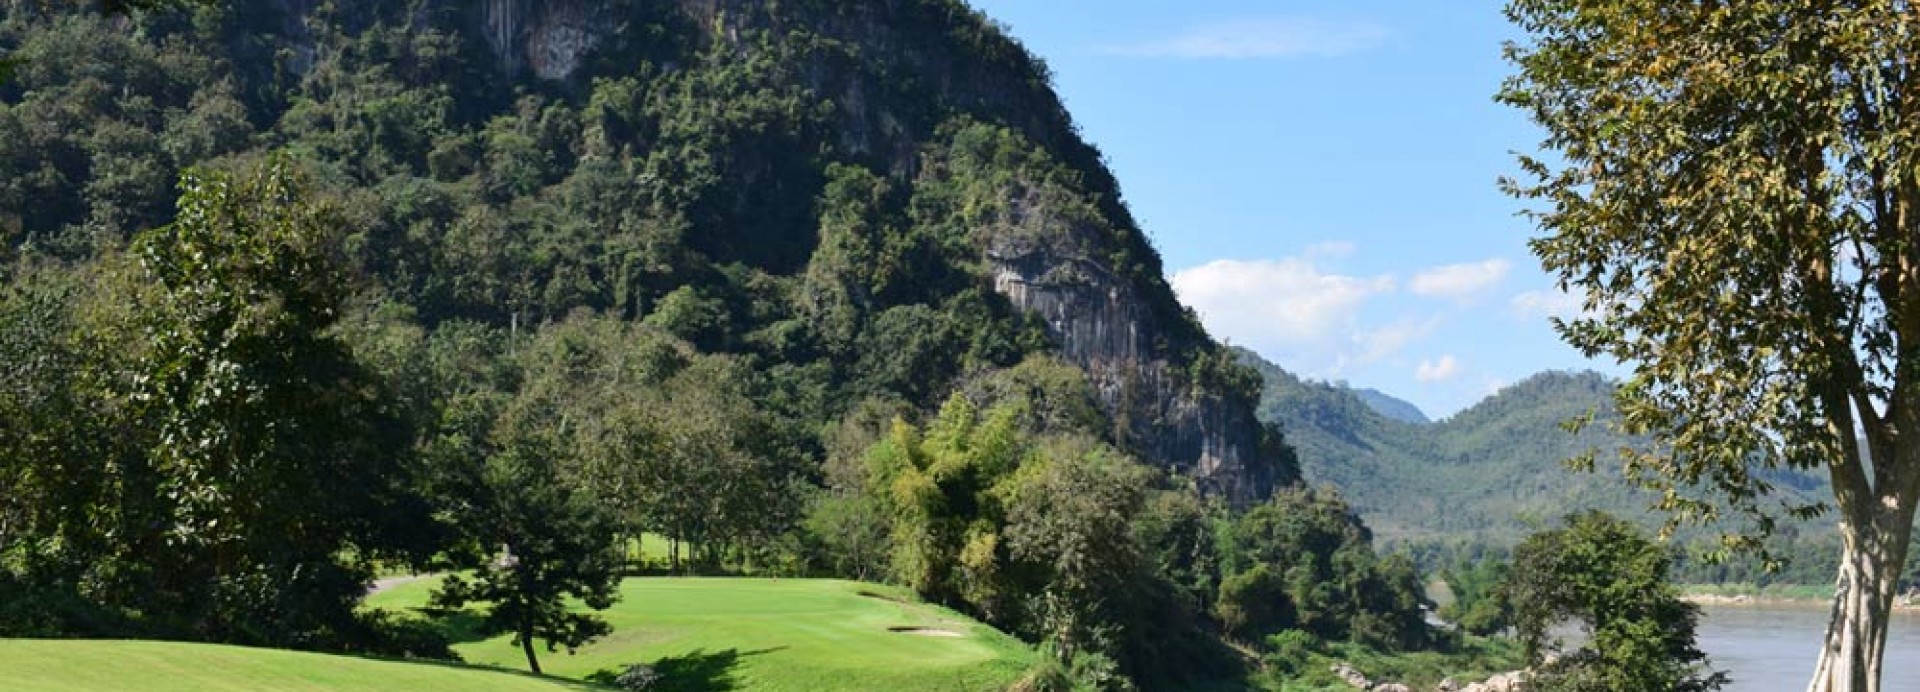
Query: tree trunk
{"points": [[526, 645], [1874, 553]]}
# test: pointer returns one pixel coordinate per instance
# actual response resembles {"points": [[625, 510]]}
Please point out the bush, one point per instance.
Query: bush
{"points": [[1291, 651], [1085, 672]]}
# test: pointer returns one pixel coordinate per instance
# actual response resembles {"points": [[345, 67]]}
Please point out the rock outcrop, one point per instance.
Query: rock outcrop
{"points": [[1102, 325]]}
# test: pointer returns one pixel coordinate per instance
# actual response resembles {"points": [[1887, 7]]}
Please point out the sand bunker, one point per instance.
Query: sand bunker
{"points": [[925, 631]]}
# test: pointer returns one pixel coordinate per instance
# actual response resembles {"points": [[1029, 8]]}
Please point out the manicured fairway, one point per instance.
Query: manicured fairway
{"points": [[33, 665], [774, 634]]}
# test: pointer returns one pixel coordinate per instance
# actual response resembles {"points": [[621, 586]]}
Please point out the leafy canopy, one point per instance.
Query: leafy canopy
{"points": [[1603, 573], [1732, 196]]}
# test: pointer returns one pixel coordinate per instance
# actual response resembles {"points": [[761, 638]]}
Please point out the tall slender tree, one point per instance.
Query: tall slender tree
{"points": [[1734, 187], [533, 535]]}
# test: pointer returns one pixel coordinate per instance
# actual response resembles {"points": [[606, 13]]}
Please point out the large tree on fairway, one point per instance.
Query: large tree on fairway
{"points": [[279, 466], [1733, 187]]}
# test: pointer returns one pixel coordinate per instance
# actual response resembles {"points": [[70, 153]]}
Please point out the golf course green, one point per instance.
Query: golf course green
{"points": [[771, 634], [703, 634]]}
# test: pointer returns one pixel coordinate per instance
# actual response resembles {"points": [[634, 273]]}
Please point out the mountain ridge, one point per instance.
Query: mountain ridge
{"points": [[1484, 473], [1391, 406]]}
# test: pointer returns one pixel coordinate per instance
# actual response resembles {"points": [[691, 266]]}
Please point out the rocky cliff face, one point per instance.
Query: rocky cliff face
{"points": [[1104, 325], [547, 37]]}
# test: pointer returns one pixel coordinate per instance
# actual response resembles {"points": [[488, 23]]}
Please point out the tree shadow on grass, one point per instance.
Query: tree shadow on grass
{"points": [[694, 671], [462, 626]]}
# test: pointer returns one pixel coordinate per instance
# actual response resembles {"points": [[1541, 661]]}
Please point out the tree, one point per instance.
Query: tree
{"points": [[535, 540], [68, 473], [1479, 606], [1732, 188], [1069, 514], [279, 469], [1602, 572]]}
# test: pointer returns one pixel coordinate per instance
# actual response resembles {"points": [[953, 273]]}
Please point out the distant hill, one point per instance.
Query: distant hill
{"points": [[1387, 405], [1487, 476], [1487, 473]]}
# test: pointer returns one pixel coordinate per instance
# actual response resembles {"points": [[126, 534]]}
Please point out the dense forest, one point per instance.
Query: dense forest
{"points": [[296, 292]]}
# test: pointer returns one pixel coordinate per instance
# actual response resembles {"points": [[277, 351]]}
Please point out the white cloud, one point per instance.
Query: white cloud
{"points": [[1548, 303], [1290, 310], [1378, 344], [1459, 281], [1287, 37], [1437, 371], [1287, 301]]}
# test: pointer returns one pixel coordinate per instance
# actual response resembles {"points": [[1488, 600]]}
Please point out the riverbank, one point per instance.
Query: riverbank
{"points": [[1775, 595]]}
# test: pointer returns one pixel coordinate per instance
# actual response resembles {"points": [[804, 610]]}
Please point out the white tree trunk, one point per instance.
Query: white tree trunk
{"points": [[1874, 553]]}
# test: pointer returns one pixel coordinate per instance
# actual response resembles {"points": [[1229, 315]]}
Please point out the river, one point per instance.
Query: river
{"points": [[1770, 648]]}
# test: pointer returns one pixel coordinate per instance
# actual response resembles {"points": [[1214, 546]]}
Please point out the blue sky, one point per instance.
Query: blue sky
{"points": [[1320, 178]]}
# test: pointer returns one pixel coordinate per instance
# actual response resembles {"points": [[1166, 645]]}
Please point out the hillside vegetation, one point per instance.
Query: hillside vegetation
{"points": [[1482, 479], [1483, 472]]}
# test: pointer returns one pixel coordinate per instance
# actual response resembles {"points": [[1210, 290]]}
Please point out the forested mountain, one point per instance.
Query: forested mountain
{"points": [[1485, 472], [871, 199], [1488, 475]]}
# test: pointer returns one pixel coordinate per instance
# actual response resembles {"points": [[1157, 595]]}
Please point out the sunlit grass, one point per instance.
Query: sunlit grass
{"points": [[772, 634]]}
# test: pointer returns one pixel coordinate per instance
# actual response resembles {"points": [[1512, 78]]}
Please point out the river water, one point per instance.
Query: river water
{"points": [[1770, 648]]}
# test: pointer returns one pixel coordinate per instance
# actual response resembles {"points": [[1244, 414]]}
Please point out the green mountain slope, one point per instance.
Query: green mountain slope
{"points": [[866, 201], [1487, 476], [1486, 473]]}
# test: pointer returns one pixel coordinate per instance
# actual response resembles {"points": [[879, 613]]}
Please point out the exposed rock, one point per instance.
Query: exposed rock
{"points": [[1043, 265], [1351, 676], [1514, 681], [548, 36], [1359, 680]]}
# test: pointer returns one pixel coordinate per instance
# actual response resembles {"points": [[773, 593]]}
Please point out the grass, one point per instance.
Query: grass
{"points": [[35, 665], [711, 634]]}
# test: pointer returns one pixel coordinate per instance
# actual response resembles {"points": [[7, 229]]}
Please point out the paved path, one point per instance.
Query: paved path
{"points": [[384, 583]]}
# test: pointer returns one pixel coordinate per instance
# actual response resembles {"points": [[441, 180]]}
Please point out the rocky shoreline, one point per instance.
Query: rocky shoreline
{"points": [[1908, 602], [1504, 682]]}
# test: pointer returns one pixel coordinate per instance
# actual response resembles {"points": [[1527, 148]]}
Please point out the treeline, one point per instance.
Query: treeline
{"points": [[1791, 558]]}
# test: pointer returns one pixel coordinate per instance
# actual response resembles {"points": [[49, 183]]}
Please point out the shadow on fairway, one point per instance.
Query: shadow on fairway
{"points": [[694, 671]]}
